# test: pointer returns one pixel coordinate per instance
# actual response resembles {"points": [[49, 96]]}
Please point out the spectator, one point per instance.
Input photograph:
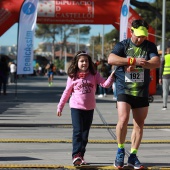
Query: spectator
{"points": [[164, 79], [13, 69], [4, 71]]}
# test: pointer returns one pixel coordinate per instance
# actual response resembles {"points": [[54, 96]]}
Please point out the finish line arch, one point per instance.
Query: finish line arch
{"points": [[70, 12]]}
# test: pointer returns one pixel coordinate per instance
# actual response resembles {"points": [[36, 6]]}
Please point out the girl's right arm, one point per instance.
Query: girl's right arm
{"points": [[59, 114], [106, 83], [112, 74], [65, 96]]}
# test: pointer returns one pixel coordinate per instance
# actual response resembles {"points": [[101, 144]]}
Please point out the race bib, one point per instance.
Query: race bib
{"points": [[135, 76]]}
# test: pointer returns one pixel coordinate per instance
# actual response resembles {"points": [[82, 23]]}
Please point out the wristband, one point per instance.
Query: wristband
{"points": [[131, 61]]}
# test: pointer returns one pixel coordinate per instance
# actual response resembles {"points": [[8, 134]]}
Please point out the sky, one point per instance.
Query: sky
{"points": [[9, 38]]}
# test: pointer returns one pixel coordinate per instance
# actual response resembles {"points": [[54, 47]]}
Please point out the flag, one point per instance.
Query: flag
{"points": [[27, 23], [124, 20]]}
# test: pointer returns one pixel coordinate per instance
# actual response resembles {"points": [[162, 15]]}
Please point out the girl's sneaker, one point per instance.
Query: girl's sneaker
{"points": [[77, 160], [164, 108], [84, 162]]}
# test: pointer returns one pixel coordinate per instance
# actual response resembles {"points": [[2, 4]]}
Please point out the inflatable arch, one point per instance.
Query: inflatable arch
{"points": [[73, 12], [69, 12]]}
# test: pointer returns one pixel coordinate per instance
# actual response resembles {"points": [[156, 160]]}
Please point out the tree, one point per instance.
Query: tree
{"points": [[50, 32], [152, 13], [114, 34], [80, 32]]}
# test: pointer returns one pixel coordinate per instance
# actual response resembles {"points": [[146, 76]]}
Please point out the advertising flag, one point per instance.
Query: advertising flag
{"points": [[27, 23], [124, 19]]}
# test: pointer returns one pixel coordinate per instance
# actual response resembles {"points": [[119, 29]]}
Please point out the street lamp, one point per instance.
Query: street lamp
{"points": [[93, 49], [65, 59], [88, 45], [78, 37], [163, 26], [103, 42]]}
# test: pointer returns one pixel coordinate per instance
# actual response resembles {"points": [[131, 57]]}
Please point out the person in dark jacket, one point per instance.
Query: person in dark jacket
{"points": [[4, 71]]}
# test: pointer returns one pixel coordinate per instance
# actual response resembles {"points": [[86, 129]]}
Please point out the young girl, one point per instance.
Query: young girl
{"points": [[81, 85]]}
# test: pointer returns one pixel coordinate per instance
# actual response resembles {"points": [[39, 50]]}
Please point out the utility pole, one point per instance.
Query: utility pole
{"points": [[163, 26], [103, 43]]}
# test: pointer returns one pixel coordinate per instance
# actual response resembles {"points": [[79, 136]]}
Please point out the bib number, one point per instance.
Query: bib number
{"points": [[134, 76]]}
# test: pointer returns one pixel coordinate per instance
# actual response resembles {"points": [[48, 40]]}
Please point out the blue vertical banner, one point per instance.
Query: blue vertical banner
{"points": [[27, 23], [124, 16]]}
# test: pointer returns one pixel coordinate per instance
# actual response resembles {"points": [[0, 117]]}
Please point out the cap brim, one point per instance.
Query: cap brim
{"points": [[140, 31]]}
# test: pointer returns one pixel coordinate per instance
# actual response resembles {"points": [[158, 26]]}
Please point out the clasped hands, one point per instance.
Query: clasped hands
{"points": [[139, 62]]}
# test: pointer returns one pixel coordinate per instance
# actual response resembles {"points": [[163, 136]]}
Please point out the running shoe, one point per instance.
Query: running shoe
{"points": [[164, 108], [83, 161], [100, 96], [77, 160], [134, 162], [119, 161]]}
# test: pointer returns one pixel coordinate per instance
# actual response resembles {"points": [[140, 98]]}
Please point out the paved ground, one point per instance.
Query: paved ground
{"points": [[32, 136]]}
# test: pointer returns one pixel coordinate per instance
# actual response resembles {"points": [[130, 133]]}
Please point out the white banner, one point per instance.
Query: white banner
{"points": [[27, 23], [124, 20]]}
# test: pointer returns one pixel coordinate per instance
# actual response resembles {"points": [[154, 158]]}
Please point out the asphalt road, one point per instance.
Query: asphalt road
{"points": [[33, 137]]}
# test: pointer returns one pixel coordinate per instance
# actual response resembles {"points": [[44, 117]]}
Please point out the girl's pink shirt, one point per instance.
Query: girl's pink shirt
{"points": [[82, 92]]}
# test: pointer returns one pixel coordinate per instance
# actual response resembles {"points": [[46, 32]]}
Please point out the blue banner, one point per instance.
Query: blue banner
{"points": [[124, 16], [27, 23]]}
